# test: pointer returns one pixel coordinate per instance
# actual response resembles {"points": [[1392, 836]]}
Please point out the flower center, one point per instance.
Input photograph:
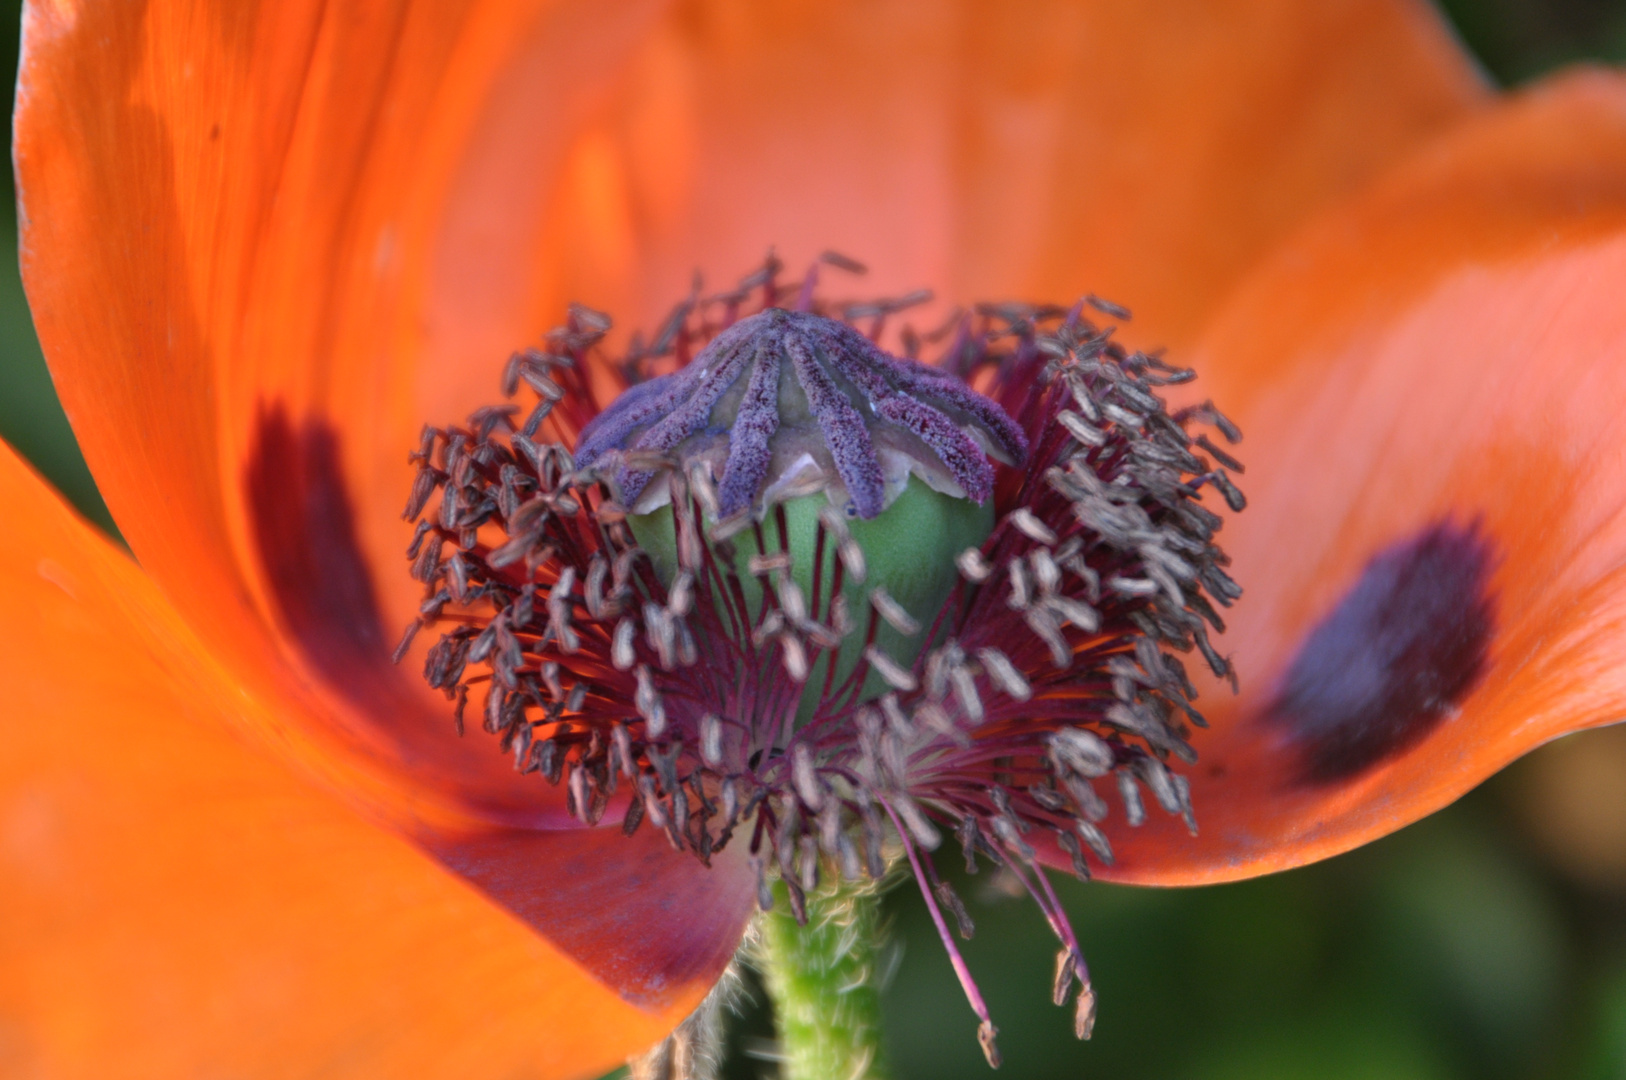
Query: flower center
{"points": [[761, 511], [875, 468]]}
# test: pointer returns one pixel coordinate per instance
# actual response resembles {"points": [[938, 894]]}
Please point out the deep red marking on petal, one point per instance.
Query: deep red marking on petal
{"points": [[643, 918], [1403, 648], [305, 530], [318, 576]]}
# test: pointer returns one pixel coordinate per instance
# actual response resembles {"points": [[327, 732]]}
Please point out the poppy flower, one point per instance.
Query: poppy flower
{"points": [[264, 245]]}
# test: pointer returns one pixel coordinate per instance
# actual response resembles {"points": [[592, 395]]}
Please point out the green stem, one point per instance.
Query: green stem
{"points": [[822, 978]]}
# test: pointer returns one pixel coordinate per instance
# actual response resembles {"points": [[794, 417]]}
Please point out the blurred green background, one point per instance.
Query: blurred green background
{"points": [[1487, 941]]}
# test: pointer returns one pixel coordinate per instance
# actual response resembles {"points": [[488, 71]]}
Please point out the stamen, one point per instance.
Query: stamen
{"points": [[985, 1030], [677, 682]]}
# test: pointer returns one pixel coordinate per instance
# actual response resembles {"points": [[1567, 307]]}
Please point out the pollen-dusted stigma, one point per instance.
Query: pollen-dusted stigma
{"points": [[793, 592]]}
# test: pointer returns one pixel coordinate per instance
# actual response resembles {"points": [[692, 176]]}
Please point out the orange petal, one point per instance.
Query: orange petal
{"points": [[178, 905], [1431, 384], [982, 149], [1039, 149]]}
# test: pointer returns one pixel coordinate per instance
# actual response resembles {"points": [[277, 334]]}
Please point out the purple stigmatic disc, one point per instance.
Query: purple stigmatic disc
{"points": [[782, 393]]}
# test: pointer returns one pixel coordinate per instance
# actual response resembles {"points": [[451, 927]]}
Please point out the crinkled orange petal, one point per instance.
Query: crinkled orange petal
{"points": [[1431, 384], [175, 904]]}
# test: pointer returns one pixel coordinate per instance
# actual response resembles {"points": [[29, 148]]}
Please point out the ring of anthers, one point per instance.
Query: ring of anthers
{"points": [[1051, 667]]}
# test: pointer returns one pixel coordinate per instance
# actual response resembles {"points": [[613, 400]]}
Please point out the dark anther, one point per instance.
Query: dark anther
{"points": [[951, 900], [987, 1033]]}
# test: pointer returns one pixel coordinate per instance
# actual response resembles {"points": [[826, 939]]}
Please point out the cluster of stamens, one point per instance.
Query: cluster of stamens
{"points": [[1048, 676]]}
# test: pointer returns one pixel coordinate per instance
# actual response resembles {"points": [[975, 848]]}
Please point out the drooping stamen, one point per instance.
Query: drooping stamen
{"points": [[986, 1031], [1071, 964]]}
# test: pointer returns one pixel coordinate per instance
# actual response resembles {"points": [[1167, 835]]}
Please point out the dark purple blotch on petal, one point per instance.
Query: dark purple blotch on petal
{"points": [[302, 523], [1399, 653], [648, 921], [304, 529]]}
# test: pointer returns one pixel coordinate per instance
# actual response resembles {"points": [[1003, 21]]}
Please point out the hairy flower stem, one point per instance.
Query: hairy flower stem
{"points": [[822, 978]]}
